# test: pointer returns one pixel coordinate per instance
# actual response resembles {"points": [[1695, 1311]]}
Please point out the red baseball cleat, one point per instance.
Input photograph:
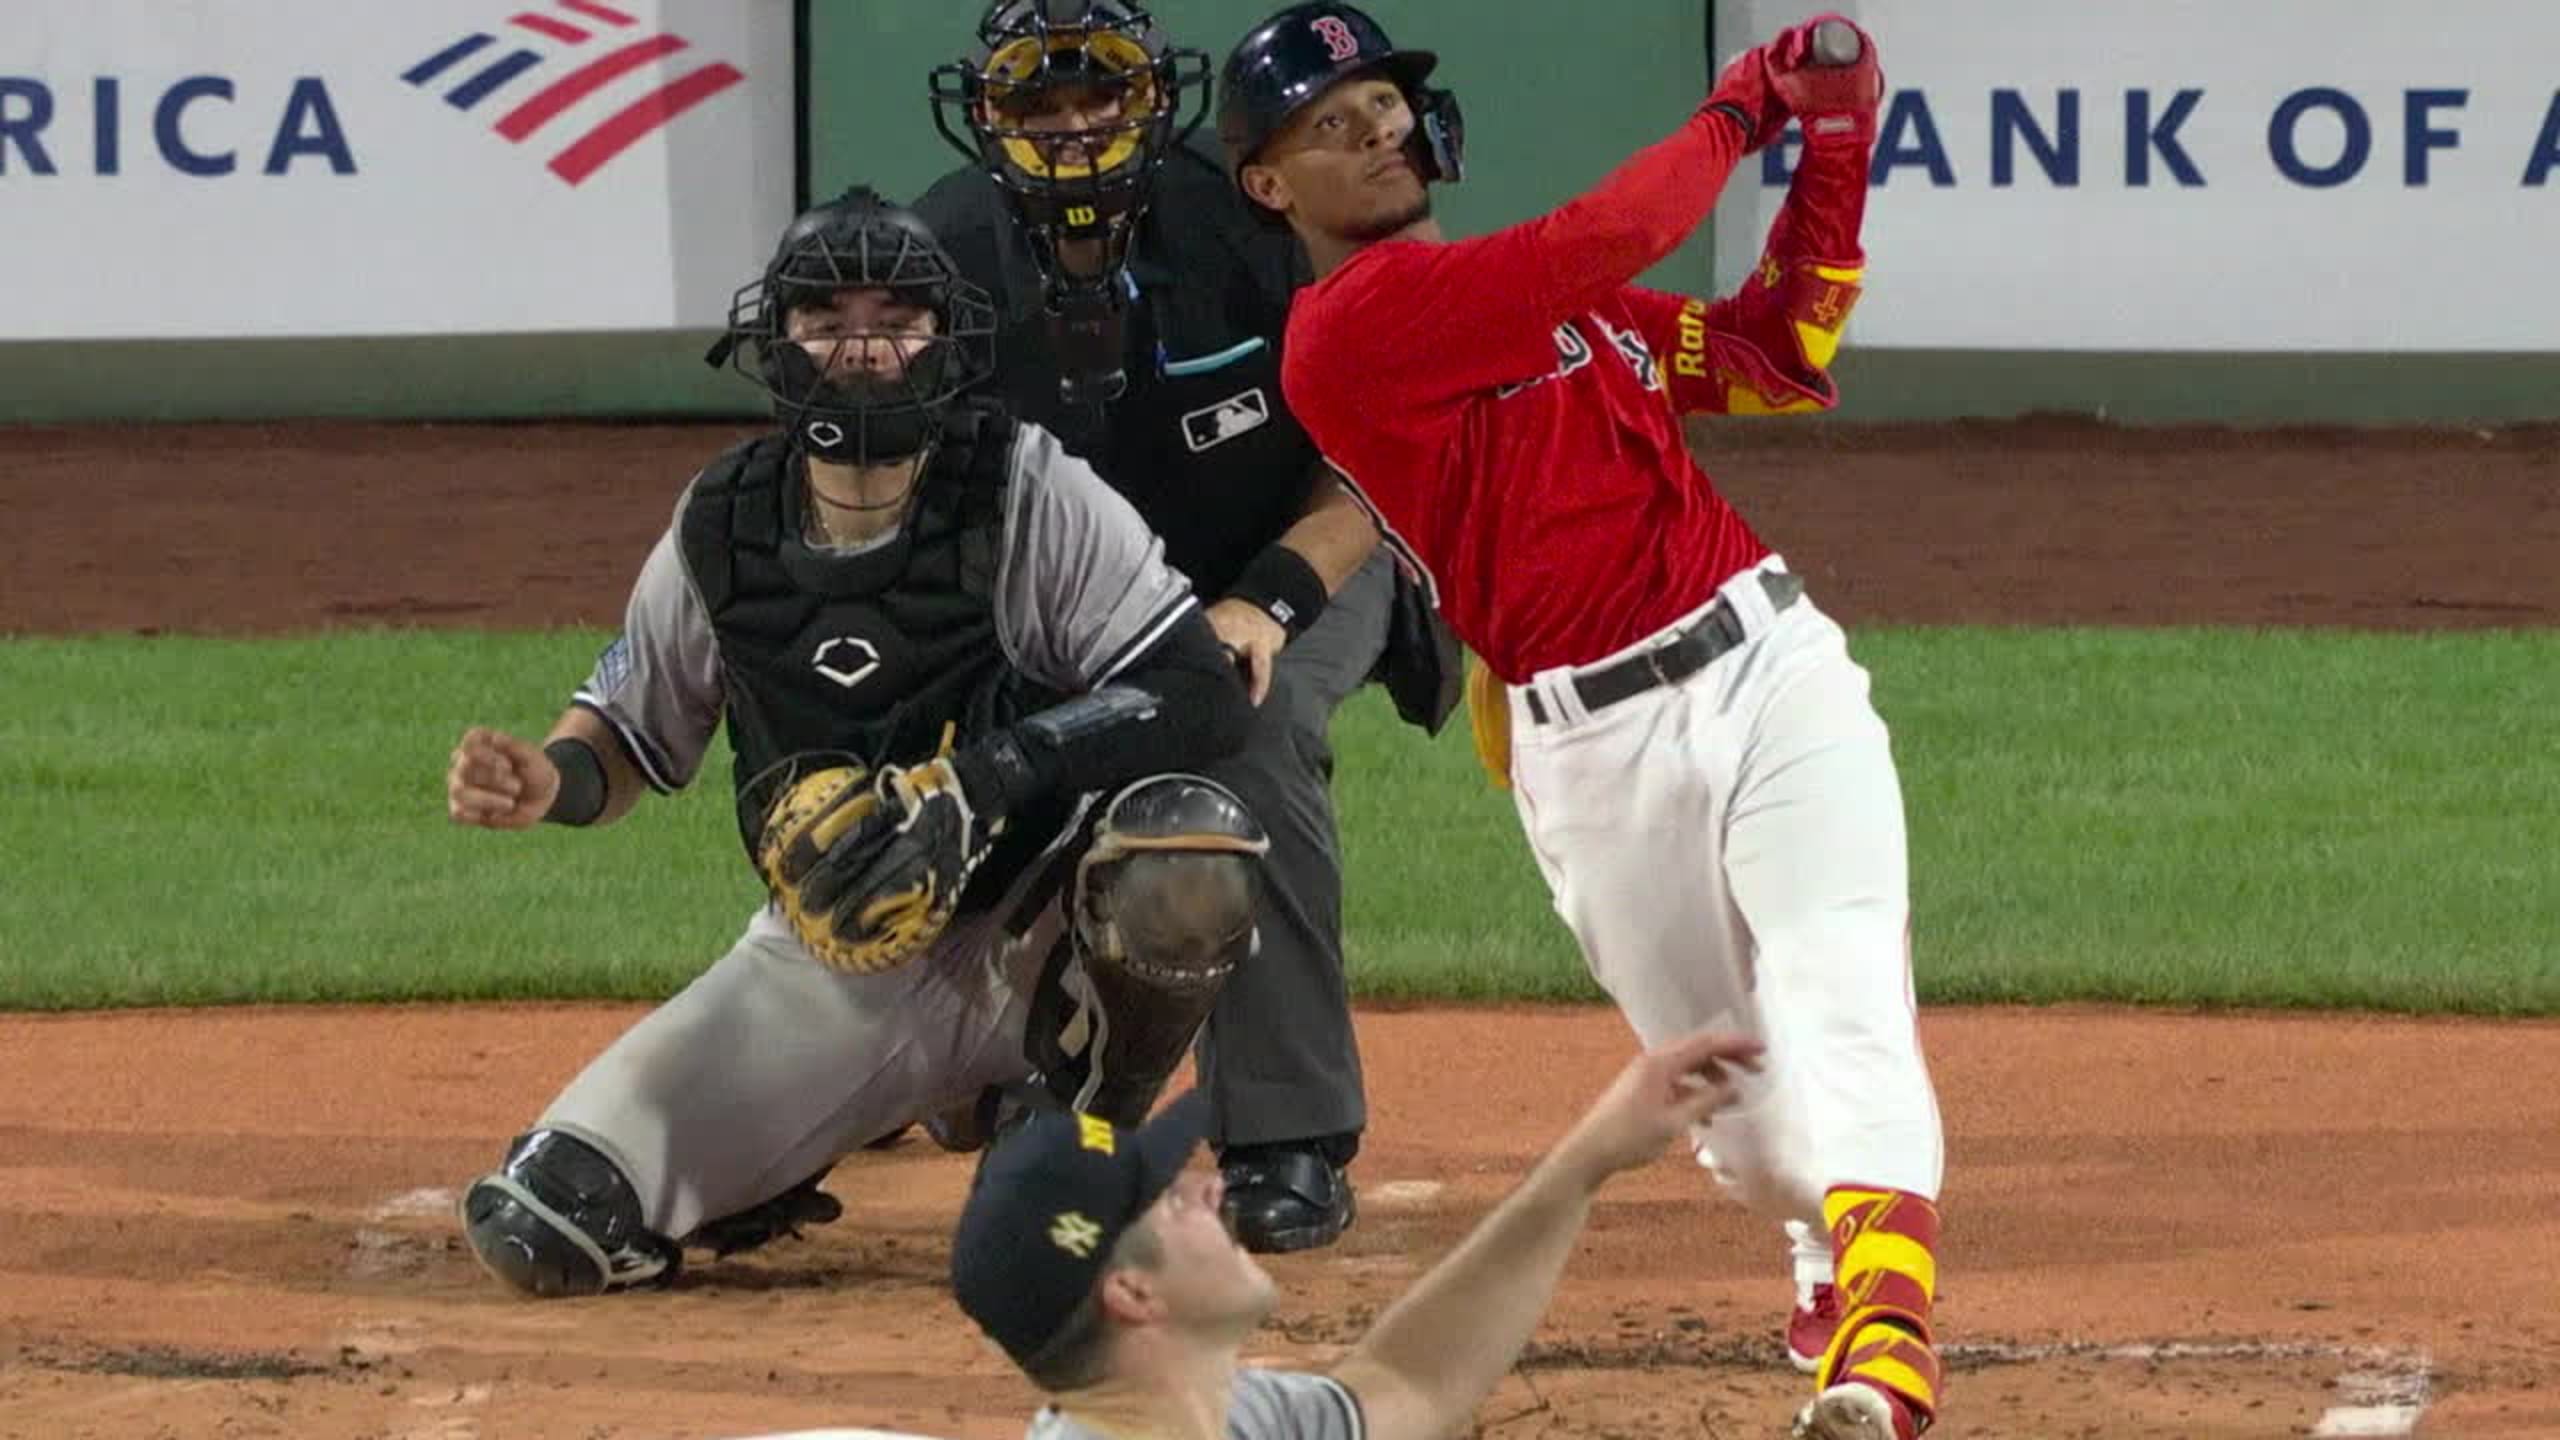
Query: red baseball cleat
{"points": [[1810, 1328]]}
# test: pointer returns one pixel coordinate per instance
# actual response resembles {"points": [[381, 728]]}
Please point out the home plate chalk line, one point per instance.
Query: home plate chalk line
{"points": [[2382, 1391]]}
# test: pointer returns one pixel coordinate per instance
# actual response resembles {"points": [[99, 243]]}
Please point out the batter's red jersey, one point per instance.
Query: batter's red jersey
{"points": [[1508, 406]]}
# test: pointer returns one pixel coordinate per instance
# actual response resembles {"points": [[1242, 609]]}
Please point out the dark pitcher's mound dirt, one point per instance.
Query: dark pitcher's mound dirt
{"points": [[237, 1223]]}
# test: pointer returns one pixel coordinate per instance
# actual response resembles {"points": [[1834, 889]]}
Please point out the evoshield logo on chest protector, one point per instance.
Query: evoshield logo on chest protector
{"points": [[847, 660], [1215, 425]]}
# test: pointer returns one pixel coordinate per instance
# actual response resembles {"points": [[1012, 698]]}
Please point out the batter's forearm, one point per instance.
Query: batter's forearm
{"points": [[1627, 223], [1826, 206], [1767, 349]]}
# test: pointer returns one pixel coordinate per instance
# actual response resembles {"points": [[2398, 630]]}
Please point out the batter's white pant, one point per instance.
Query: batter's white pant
{"points": [[1729, 850], [770, 1066]]}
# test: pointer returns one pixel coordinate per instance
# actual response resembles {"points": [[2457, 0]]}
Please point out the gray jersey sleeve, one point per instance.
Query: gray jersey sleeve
{"points": [[658, 684], [1285, 1405], [1262, 1405], [1082, 587]]}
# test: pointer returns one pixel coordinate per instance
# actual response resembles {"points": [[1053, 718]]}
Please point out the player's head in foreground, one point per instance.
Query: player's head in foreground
{"points": [[1090, 1252], [861, 330], [1330, 127], [1098, 1257]]}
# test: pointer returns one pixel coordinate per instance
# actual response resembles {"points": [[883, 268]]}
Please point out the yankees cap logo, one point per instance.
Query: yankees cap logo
{"points": [[1075, 1234]]}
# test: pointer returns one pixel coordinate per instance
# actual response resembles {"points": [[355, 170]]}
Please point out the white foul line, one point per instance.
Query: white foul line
{"points": [[2386, 1402], [426, 1201]]}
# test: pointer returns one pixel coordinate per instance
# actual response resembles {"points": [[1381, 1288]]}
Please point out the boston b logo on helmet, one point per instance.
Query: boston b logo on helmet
{"points": [[860, 241], [1305, 50]]}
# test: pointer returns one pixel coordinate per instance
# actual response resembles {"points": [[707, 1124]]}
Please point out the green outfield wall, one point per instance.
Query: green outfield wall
{"points": [[1555, 95]]}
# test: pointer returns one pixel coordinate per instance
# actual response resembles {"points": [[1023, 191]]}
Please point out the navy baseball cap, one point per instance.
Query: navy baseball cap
{"points": [[1049, 1202]]}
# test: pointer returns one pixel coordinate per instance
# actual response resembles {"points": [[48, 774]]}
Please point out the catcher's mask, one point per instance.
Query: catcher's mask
{"points": [[1070, 106], [860, 378]]}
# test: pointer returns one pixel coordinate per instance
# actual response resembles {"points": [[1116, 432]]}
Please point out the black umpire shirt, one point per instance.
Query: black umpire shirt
{"points": [[1201, 441]]}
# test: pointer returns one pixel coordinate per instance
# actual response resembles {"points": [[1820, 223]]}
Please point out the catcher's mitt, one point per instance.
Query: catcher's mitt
{"points": [[869, 869]]}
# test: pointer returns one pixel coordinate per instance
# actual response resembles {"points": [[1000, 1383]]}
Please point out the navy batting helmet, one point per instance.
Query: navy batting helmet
{"points": [[1303, 51]]}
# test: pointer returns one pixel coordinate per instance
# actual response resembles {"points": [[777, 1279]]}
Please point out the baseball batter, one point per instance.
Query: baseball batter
{"points": [[1703, 781], [973, 650]]}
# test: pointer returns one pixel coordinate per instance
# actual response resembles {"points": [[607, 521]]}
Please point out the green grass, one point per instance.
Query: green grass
{"points": [[2180, 817], [2191, 817]]}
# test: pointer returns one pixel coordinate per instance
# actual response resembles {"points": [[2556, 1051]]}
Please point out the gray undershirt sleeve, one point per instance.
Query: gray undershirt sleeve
{"points": [[1263, 1405]]}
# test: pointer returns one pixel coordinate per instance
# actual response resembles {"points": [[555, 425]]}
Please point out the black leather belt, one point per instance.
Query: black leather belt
{"points": [[1675, 659]]}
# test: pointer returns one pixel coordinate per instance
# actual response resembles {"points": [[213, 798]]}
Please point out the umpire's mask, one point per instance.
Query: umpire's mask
{"points": [[861, 330], [1070, 106]]}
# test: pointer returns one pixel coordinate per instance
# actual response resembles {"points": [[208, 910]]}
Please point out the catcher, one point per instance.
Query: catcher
{"points": [[961, 686]]}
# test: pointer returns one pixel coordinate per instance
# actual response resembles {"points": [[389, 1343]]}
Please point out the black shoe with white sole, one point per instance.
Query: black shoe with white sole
{"points": [[1286, 1197]]}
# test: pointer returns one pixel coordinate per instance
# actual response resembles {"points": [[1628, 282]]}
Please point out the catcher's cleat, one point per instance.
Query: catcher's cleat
{"points": [[968, 1126], [1855, 1412], [1810, 1328], [1286, 1197], [761, 1224]]}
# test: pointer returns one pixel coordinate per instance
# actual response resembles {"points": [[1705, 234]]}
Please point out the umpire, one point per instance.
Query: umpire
{"points": [[1139, 315]]}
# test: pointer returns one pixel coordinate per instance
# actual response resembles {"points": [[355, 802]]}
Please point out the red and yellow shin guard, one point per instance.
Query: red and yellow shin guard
{"points": [[1884, 1247]]}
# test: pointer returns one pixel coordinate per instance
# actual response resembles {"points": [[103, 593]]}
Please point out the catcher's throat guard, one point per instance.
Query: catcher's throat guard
{"points": [[1161, 911]]}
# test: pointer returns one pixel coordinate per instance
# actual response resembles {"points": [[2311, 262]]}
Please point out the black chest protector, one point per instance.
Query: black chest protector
{"points": [[868, 653]]}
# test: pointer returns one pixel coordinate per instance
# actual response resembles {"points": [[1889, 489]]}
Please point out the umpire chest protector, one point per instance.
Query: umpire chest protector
{"points": [[1202, 442], [869, 652]]}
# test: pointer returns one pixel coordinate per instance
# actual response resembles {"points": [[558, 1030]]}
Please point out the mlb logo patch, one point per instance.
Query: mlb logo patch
{"points": [[1214, 425]]}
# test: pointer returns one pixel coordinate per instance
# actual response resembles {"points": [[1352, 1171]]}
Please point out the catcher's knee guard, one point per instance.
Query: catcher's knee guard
{"points": [[560, 1219], [1162, 912]]}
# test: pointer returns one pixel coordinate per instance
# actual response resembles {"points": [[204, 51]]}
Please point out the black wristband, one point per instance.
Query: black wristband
{"points": [[582, 786], [1281, 584], [1733, 112]]}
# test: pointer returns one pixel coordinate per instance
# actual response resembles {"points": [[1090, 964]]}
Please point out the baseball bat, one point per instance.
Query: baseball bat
{"points": [[1835, 42]]}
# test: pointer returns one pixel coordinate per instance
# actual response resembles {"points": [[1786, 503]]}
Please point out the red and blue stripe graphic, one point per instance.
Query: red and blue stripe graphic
{"points": [[587, 153]]}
